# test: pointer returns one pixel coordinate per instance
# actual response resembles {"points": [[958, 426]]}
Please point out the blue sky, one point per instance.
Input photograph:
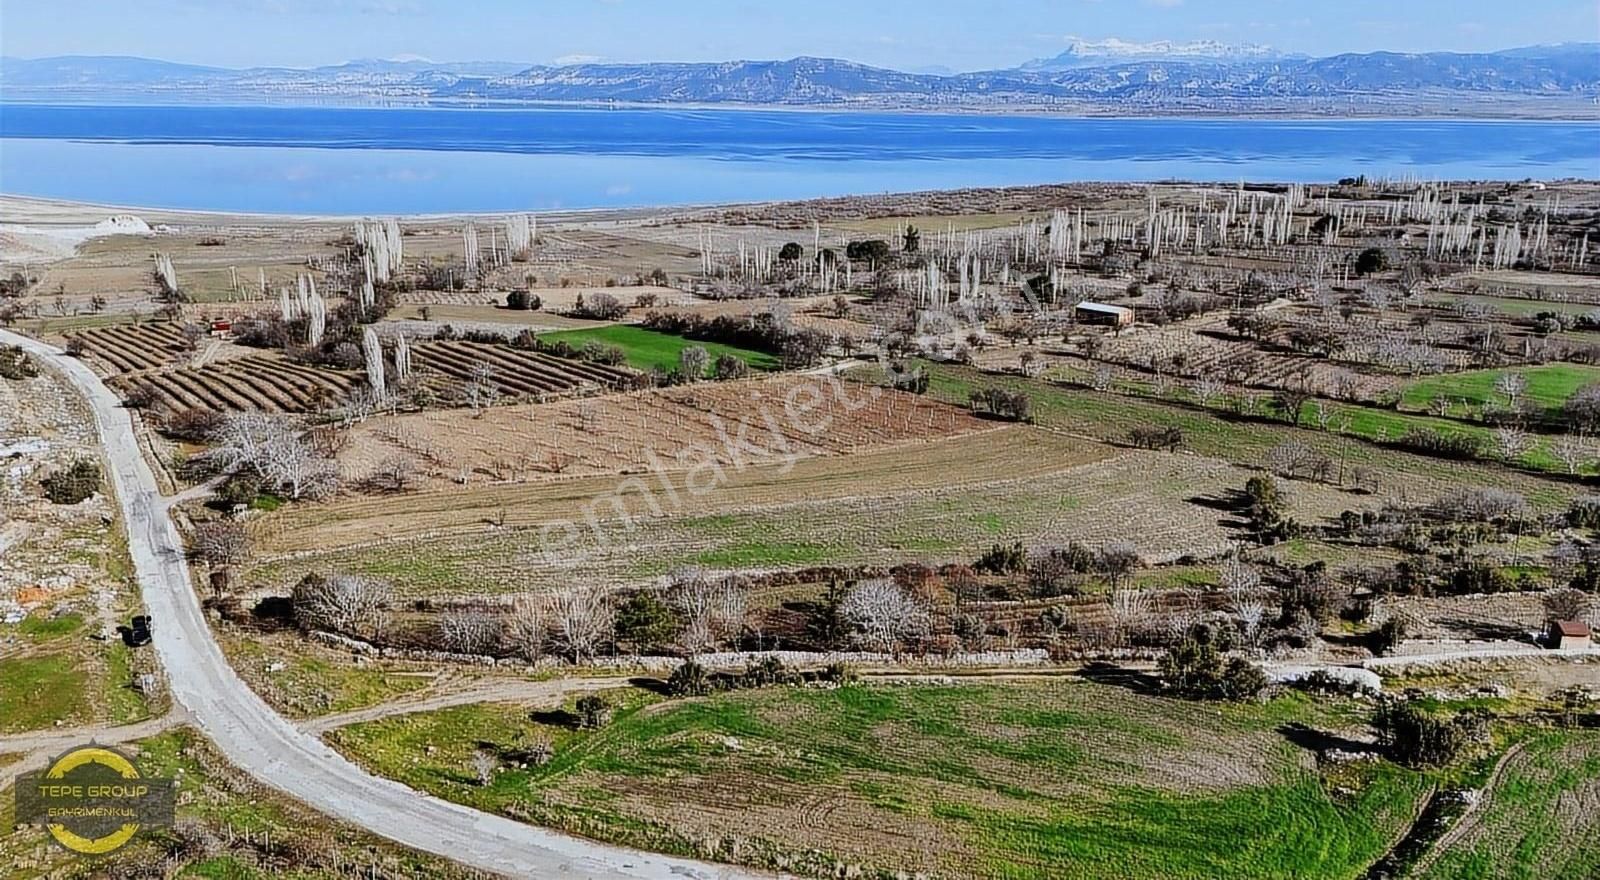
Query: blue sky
{"points": [[907, 34]]}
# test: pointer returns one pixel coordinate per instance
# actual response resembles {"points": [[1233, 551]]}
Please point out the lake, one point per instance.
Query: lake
{"points": [[342, 160]]}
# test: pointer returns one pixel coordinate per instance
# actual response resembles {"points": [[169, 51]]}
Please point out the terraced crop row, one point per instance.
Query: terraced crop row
{"points": [[135, 347], [515, 372], [255, 383]]}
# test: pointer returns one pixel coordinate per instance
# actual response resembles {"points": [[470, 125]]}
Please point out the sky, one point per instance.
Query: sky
{"points": [[904, 34]]}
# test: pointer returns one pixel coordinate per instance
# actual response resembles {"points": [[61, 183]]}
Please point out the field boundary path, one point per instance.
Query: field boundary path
{"points": [[276, 753]]}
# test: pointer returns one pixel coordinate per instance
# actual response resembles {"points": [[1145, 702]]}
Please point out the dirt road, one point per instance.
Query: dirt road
{"points": [[266, 746]]}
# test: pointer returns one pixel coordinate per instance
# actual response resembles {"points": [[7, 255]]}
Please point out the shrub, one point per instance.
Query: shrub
{"points": [[791, 251], [1000, 559], [1371, 260], [645, 622], [1156, 437], [870, 250], [78, 481], [1386, 637], [522, 300], [15, 364], [731, 366], [1195, 669], [689, 680], [1418, 738], [594, 712], [599, 306]]}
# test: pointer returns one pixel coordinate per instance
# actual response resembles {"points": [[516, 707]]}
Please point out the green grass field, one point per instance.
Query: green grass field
{"points": [[1022, 780], [1541, 819], [36, 692], [1549, 386], [1214, 432], [647, 348]]}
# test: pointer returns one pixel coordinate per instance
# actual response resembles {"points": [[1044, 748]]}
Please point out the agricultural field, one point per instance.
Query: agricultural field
{"points": [[257, 383], [787, 417], [515, 374], [1547, 386], [997, 780], [647, 348], [1538, 817], [1297, 454]]}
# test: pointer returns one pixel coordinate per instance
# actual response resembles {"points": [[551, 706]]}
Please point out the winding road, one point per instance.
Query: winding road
{"points": [[266, 746]]}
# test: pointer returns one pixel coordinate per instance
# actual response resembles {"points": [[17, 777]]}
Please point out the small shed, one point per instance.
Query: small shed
{"points": [[1101, 313], [1567, 635]]}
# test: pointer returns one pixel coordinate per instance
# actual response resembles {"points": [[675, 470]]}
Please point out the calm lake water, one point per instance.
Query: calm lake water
{"points": [[379, 161]]}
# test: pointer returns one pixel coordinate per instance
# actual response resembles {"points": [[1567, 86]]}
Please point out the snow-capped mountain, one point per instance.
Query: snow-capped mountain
{"points": [[1103, 53]]}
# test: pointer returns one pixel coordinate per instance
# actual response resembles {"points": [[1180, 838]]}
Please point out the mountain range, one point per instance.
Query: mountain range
{"points": [[1106, 76]]}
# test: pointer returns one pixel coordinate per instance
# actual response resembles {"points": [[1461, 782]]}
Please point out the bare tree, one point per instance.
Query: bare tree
{"points": [[1206, 389], [1251, 612], [1573, 451], [470, 631], [1567, 604], [527, 626], [342, 603], [1512, 442], [1130, 613], [1511, 385], [373, 350], [273, 448], [1116, 561], [692, 363], [221, 543], [883, 614], [1239, 578], [481, 390], [713, 609], [484, 765], [580, 621]]}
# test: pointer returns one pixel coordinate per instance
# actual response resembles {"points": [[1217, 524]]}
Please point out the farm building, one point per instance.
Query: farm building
{"points": [[1567, 635], [1100, 313]]}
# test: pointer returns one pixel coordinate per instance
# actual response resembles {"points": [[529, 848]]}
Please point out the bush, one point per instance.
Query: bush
{"points": [[870, 250], [645, 622], [599, 307], [1000, 559], [78, 481], [15, 364], [689, 680], [1371, 260], [1015, 406], [192, 425], [768, 672], [594, 712], [1195, 669], [1418, 738], [1156, 437], [522, 300], [1584, 512], [1386, 637], [791, 252], [731, 366]]}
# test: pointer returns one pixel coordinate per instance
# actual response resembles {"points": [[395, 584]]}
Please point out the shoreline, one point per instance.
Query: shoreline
{"points": [[1524, 110]]}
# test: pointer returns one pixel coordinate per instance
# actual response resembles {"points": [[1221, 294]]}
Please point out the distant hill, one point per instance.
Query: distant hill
{"points": [[1108, 53], [1110, 76]]}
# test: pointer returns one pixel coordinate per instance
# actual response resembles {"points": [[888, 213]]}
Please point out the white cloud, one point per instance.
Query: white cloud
{"points": [[575, 59]]}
